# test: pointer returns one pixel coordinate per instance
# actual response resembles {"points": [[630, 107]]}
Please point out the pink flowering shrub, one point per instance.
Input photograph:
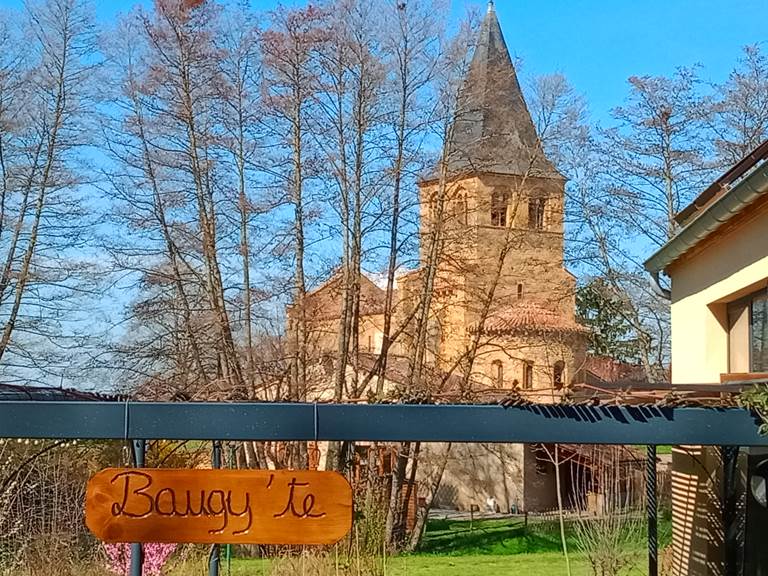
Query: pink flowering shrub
{"points": [[155, 557]]}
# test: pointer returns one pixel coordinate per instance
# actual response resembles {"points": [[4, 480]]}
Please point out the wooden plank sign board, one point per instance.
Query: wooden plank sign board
{"points": [[218, 506]]}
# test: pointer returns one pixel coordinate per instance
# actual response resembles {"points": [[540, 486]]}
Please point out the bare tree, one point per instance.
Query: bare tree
{"points": [[657, 153], [46, 71], [241, 75], [739, 109], [289, 50], [610, 536], [626, 185]]}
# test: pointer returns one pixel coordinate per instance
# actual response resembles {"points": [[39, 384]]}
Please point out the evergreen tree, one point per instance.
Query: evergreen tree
{"points": [[603, 313]]}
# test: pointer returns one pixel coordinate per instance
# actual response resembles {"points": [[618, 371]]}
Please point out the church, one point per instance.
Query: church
{"points": [[501, 304]]}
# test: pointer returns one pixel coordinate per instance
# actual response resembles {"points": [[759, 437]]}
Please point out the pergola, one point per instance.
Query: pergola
{"points": [[642, 424]]}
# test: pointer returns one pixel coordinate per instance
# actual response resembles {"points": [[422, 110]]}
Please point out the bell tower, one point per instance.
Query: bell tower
{"points": [[502, 217]]}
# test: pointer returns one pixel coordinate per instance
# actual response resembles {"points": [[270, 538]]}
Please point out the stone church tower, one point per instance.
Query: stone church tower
{"points": [[492, 233], [501, 284]]}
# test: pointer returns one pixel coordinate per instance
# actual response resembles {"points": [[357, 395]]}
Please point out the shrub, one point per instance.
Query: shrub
{"points": [[155, 557]]}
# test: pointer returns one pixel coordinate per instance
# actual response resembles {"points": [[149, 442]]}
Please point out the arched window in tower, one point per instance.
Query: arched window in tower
{"points": [[499, 202], [536, 208], [459, 208], [527, 375], [498, 373], [558, 375]]}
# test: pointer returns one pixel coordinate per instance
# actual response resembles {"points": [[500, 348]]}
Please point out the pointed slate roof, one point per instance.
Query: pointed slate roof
{"points": [[493, 130]]}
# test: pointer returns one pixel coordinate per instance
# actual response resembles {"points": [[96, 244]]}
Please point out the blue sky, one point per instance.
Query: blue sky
{"points": [[598, 44]]}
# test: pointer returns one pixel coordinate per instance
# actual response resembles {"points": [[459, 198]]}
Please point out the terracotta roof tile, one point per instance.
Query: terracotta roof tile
{"points": [[607, 370], [529, 317]]}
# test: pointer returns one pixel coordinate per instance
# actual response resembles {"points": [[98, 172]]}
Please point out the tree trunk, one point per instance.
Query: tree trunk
{"points": [[423, 511]]}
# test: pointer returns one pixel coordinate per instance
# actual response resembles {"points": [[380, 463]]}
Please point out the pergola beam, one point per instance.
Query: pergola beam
{"points": [[534, 423]]}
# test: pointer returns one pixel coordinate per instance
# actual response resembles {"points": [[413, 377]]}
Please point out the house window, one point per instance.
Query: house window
{"points": [[748, 334], [499, 202], [519, 291], [758, 323], [528, 375], [498, 373], [557, 375], [536, 213]]}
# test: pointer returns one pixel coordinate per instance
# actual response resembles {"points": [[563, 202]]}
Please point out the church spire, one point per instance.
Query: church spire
{"points": [[493, 130]]}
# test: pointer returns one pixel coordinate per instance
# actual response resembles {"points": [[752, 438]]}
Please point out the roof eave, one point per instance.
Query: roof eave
{"points": [[711, 219], [469, 173]]}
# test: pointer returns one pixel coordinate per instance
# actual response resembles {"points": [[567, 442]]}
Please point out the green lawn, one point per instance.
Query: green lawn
{"points": [[484, 548], [540, 564], [494, 537]]}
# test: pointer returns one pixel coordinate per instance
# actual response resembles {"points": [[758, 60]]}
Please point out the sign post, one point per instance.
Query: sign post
{"points": [[137, 550], [214, 561], [219, 506]]}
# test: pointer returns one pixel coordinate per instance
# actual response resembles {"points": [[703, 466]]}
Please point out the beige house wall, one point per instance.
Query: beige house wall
{"points": [[725, 267], [722, 270]]}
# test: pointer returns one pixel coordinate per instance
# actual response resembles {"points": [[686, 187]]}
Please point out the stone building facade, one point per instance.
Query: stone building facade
{"points": [[502, 313]]}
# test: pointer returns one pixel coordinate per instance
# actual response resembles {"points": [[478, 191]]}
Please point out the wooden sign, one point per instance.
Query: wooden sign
{"points": [[218, 506]]}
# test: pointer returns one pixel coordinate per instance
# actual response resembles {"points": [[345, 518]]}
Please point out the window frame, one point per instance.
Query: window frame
{"points": [[558, 375], [537, 206], [744, 306], [761, 295], [527, 375], [498, 372], [499, 209]]}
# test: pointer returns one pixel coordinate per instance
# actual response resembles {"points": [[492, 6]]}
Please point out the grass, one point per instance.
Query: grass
{"points": [[487, 547], [493, 537], [539, 564]]}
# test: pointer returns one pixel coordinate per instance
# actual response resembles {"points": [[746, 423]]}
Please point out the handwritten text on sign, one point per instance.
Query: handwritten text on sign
{"points": [[218, 506]]}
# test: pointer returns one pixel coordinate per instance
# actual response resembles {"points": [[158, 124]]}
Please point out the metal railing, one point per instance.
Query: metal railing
{"points": [[138, 422]]}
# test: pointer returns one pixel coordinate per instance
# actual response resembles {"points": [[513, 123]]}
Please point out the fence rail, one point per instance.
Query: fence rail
{"points": [[533, 423]]}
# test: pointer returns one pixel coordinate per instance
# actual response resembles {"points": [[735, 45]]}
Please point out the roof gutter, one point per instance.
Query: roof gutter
{"points": [[721, 211]]}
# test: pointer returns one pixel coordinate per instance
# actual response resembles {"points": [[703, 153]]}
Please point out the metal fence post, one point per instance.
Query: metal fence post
{"points": [[731, 521], [652, 509], [214, 558], [137, 551]]}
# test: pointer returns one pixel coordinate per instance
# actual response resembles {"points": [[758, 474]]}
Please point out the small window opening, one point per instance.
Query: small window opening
{"points": [[528, 375], [499, 209], [557, 375], [536, 213], [498, 373], [520, 291]]}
